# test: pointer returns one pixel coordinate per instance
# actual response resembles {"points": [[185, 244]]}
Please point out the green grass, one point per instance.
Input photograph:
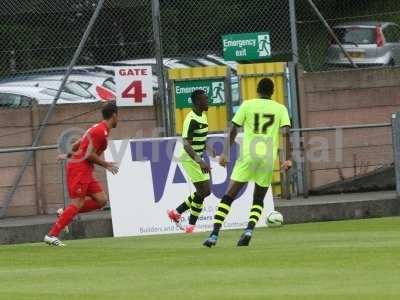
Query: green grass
{"points": [[334, 260]]}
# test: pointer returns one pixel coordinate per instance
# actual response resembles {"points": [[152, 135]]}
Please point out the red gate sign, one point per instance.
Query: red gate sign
{"points": [[134, 86]]}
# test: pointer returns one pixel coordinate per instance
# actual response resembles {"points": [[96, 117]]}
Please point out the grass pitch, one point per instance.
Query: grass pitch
{"points": [[334, 260]]}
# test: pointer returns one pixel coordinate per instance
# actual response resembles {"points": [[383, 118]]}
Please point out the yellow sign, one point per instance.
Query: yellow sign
{"points": [[249, 78], [217, 115]]}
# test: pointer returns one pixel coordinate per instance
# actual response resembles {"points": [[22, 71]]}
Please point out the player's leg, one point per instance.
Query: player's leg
{"points": [[223, 210], [96, 198], [63, 220], [203, 190], [240, 176], [262, 175], [85, 197], [175, 215], [255, 214], [195, 174], [185, 205]]}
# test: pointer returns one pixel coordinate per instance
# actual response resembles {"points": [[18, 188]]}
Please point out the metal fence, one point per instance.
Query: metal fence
{"points": [[43, 41], [351, 158], [43, 35]]}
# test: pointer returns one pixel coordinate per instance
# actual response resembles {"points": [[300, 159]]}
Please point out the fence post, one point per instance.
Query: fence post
{"points": [[294, 96], [63, 165], [172, 105], [396, 148], [165, 107], [37, 163], [228, 94], [39, 134]]}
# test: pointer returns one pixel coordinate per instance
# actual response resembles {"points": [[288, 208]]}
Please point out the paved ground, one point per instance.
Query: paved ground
{"points": [[341, 198]]}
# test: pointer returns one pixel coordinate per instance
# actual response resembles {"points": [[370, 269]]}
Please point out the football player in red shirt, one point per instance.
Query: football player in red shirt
{"points": [[85, 191]]}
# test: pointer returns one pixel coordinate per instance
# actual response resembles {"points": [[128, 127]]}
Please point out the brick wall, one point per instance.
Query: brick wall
{"points": [[41, 189], [347, 98]]}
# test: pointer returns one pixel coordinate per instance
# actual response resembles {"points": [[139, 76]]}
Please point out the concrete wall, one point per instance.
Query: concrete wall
{"points": [[347, 98], [41, 189]]}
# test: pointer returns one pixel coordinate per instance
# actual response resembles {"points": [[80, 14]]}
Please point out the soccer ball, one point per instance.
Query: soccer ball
{"points": [[274, 219]]}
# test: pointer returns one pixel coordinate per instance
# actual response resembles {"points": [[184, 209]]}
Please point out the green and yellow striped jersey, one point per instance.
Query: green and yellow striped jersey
{"points": [[195, 129]]}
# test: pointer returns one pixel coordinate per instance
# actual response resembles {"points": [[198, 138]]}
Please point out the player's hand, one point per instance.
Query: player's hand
{"points": [[204, 167], [223, 161], [213, 154], [61, 157], [287, 165], [112, 167]]}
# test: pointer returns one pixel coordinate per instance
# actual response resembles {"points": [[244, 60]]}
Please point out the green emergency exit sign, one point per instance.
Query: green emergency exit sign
{"points": [[247, 46]]}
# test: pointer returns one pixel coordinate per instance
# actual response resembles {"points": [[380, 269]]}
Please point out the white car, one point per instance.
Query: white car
{"points": [[101, 86], [98, 83], [367, 43], [71, 87], [22, 96]]}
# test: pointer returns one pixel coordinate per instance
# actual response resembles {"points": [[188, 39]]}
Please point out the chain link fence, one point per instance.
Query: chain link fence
{"points": [[39, 39], [195, 28]]}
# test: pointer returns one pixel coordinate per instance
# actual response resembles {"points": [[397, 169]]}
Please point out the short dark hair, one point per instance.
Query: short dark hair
{"points": [[109, 109], [265, 87], [196, 94]]}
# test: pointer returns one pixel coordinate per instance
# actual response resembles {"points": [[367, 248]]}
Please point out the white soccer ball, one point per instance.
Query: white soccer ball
{"points": [[274, 219]]}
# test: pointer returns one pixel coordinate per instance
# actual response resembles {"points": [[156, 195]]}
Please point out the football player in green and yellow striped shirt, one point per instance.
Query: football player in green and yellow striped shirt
{"points": [[194, 135]]}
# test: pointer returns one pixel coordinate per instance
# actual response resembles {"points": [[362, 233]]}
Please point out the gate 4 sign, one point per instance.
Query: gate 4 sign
{"points": [[134, 86]]}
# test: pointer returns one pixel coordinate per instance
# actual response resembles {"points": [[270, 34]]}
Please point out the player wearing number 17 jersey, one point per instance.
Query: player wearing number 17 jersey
{"points": [[261, 119]]}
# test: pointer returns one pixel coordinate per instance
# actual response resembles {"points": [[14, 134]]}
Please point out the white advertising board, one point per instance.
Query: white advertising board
{"points": [[150, 181]]}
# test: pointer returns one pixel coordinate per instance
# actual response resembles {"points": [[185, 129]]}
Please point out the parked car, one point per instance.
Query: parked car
{"points": [[368, 44], [23, 96], [71, 87], [95, 81], [101, 86]]}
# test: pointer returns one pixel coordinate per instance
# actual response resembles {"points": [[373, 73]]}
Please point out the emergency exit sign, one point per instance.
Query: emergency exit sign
{"points": [[247, 46]]}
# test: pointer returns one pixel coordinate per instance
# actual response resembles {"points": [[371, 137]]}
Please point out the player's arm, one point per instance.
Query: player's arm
{"points": [[96, 159], [187, 145], [230, 140], [237, 122], [285, 141], [74, 148], [211, 151], [187, 135], [286, 148], [98, 138]]}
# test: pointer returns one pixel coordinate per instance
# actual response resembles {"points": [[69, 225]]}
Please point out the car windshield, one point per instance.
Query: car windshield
{"points": [[76, 89], [63, 96], [13, 100], [356, 35], [110, 84], [85, 85]]}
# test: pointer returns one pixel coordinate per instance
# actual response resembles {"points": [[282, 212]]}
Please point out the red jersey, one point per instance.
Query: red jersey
{"points": [[94, 138]]}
